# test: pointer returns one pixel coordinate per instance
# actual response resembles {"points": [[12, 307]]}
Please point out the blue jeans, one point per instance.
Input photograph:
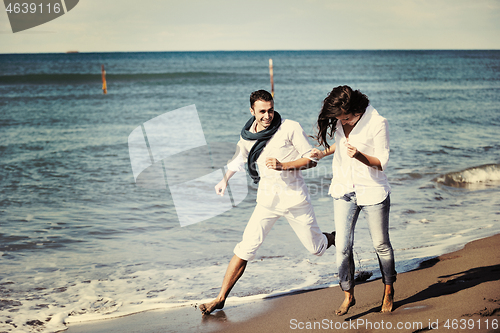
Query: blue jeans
{"points": [[346, 212]]}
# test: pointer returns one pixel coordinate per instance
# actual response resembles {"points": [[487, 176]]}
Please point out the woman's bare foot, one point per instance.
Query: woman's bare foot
{"points": [[388, 300], [349, 301], [208, 308]]}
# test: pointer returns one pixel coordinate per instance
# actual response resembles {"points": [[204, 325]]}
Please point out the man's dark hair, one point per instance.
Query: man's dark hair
{"points": [[260, 95]]}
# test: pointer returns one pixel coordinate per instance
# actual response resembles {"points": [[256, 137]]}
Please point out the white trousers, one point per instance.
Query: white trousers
{"points": [[302, 220]]}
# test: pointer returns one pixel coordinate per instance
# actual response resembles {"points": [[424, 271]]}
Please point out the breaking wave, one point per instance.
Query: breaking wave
{"points": [[473, 178]]}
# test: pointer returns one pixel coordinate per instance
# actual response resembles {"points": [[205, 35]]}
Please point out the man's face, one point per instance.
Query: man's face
{"points": [[264, 113]]}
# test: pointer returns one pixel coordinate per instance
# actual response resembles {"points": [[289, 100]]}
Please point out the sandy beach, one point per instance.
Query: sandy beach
{"points": [[456, 292]]}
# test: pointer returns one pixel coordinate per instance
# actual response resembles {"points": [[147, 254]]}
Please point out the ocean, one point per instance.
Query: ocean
{"points": [[80, 240]]}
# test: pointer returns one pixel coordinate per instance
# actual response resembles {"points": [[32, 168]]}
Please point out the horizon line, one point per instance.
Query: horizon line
{"points": [[72, 52]]}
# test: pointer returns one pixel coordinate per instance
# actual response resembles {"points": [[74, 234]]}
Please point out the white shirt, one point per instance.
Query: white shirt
{"points": [[370, 136], [278, 189]]}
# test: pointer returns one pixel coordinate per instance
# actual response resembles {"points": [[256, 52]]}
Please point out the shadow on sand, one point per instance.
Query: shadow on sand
{"points": [[446, 285]]}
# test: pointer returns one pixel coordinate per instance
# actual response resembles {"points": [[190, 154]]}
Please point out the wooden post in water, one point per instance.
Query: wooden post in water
{"points": [[272, 78], [104, 86]]}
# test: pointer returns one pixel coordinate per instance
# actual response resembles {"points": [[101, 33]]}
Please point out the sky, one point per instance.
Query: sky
{"points": [[187, 25]]}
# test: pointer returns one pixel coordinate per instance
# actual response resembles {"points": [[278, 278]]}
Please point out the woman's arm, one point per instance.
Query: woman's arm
{"points": [[366, 159], [330, 150], [381, 148], [316, 153]]}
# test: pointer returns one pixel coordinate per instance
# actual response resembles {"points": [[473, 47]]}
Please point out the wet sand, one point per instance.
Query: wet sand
{"points": [[456, 292]]}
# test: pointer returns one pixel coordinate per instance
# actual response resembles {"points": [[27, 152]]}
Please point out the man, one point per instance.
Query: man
{"points": [[278, 148]]}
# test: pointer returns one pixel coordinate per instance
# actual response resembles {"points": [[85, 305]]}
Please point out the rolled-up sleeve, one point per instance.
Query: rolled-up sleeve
{"points": [[381, 142], [237, 163], [300, 140]]}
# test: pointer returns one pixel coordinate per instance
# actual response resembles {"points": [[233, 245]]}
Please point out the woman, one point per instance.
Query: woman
{"points": [[361, 153]]}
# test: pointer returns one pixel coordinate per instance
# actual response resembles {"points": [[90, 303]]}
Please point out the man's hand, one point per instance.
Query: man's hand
{"points": [[273, 163], [221, 187]]}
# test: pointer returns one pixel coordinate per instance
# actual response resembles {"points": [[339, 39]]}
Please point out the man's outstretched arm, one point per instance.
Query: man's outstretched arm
{"points": [[220, 188]]}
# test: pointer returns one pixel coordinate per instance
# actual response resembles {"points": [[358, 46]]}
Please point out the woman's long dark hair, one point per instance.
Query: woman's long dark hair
{"points": [[341, 100]]}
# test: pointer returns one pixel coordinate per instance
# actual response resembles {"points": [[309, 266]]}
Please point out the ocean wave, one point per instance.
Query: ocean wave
{"points": [[84, 78], [473, 178]]}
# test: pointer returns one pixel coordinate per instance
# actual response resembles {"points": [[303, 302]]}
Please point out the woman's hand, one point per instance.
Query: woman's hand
{"points": [[368, 160], [352, 151], [317, 154]]}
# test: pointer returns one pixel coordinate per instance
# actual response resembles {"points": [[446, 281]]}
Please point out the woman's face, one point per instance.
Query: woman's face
{"points": [[349, 119]]}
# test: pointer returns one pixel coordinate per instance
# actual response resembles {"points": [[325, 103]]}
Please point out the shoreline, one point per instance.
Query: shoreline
{"points": [[460, 290]]}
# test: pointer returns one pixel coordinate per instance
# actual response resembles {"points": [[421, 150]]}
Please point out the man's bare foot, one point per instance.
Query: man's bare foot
{"points": [[344, 307], [388, 300], [208, 308], [216, 317], [331, 238]]}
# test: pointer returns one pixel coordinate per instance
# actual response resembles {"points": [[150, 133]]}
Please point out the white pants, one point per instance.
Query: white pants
{"points": [[301, 218]]}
